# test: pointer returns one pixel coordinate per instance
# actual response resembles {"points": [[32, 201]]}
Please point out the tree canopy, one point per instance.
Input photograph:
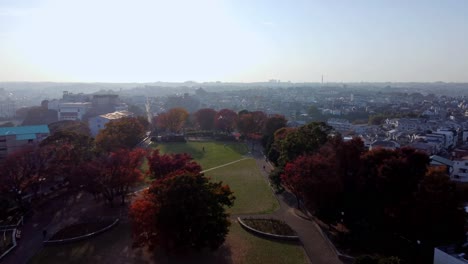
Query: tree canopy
{"points": [[181, 212], [125, 132]]}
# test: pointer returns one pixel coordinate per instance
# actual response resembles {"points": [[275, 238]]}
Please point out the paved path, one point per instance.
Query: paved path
{"points": [[316, 246], [52, 217], [224, 165]]}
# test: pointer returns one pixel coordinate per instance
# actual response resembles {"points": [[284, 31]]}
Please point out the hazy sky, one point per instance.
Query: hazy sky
{"points": [[171, 40]]}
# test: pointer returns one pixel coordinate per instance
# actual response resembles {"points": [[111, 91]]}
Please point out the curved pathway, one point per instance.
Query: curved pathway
{"points": [[317, 247]]}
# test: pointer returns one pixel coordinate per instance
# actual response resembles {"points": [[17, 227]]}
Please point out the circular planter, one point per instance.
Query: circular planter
{"points": [[291, 235], [75, 232]]}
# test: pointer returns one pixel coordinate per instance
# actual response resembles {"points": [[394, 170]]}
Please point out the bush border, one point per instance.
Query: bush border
{"points": [[79, 238], [269, 235]]}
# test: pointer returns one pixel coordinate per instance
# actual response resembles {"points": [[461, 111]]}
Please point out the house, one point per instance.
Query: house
{"points": [[98, 122], [14, 138], [339, 125], [441, 161], [460, 170], [391, 145]]}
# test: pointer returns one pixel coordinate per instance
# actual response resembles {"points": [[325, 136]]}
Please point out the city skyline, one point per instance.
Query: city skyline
{"points": [[233, 41]]}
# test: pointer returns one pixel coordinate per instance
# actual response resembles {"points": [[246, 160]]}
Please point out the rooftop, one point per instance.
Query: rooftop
{"points": [[24, 130], [117, 115]]}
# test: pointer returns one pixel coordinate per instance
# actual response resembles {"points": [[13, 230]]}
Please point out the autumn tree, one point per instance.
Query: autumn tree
{"points": [[162, 165], [21, 170], [114, 174], [173, 120], [182, 212], [125, 132], [313, 179], [205, 118], [225, 120]]}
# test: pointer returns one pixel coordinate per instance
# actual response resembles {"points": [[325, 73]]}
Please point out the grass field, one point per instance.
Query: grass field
{"points": [[115, 247], [253, 195], [215, 154]]}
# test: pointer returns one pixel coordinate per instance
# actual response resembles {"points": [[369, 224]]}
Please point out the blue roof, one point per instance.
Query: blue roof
{"points": [[22, 130], [25, 136]]}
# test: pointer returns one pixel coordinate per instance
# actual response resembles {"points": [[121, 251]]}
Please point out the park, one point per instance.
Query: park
{"points": [[229, 162]]}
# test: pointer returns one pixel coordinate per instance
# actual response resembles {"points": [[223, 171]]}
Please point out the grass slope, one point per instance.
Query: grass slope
{"points": [[215, 154], [253, 195]]}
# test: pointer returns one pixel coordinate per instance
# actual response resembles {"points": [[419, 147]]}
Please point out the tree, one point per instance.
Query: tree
{"points": [[225, 120], [113, 175], [305, 140], [437, 217], [182, 212], [273, 123], [205, 118], [245, 124], [161, 166], [173, 120], [21, 171], [125, 132], [314, 179]]}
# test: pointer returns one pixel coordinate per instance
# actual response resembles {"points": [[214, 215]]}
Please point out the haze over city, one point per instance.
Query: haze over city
{"points": [[233, 41]]}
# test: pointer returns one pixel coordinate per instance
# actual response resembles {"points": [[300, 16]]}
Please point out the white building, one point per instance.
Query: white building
{"points": [[98, 122], [460, 170], [72, 111]]}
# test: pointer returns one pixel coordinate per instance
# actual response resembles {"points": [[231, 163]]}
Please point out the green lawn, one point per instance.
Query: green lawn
{"points": [[253, 249], [215, 154], [253, 195], [115, 247]]}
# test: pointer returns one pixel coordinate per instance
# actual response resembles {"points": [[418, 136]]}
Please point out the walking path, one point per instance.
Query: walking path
{"points": [[224, 165], [315, 244]]}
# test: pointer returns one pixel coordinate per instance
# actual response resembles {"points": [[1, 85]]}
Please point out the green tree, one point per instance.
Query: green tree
{"points": [[305, 140]]}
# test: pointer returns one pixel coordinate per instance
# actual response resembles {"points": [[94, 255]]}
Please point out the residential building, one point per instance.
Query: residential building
{"points": [[98, 122], [14, 138]]}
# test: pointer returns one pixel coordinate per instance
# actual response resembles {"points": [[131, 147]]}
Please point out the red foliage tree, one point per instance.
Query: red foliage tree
{"points": [[205, 118], [225, 120], [313, 178], [114, 174], [161, 166], [181, 212]]}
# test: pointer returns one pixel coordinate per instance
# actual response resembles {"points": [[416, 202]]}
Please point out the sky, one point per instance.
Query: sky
{"points": [[234, 40]]}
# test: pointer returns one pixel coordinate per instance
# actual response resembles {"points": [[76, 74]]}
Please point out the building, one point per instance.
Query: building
{"points": [[98, 122], [14, 138], [384, 144], [7, 108], [339, 125], [72, 111]]}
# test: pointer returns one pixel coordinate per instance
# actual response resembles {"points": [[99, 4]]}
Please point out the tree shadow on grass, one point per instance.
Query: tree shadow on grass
{"points": [[223, 255]]}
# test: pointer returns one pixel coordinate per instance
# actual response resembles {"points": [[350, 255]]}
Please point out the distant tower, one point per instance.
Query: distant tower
{"points": [[322, 79]]}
